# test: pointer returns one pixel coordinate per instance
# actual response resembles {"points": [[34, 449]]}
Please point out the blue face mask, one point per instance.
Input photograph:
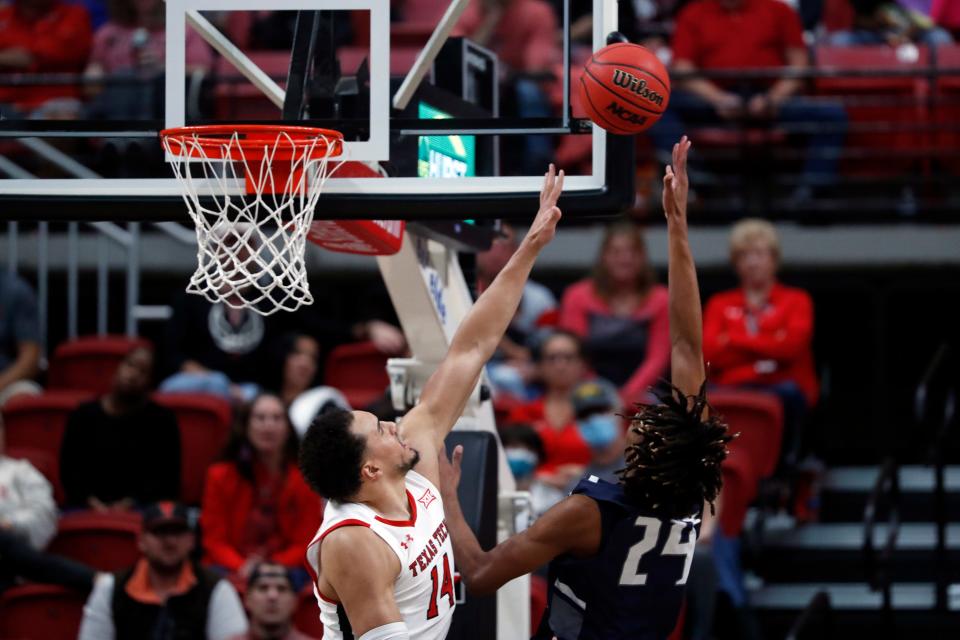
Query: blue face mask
{"points": [[599, 430], [522, 462]]}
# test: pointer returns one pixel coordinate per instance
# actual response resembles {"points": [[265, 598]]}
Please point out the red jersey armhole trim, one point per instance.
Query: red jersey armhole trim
{"points": [[403, 523], [319, 539]]}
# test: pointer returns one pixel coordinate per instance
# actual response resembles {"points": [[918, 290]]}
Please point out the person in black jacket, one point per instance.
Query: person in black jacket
{"points": [[164, 596], [122, 450]]}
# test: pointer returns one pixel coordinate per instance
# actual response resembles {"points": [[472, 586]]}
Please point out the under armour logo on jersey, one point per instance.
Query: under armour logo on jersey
{"points": [[406, 542], [426, 499]]}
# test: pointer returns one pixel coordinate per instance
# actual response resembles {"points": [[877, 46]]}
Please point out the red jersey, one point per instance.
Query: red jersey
{"points": [[755, 35], [765, 346], [59, 42]]}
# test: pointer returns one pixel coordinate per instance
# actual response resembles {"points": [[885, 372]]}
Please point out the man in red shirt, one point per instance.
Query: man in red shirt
{"points": [[722, 35], [43, 36]]}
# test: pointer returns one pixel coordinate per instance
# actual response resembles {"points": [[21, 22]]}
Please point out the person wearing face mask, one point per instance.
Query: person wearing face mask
{"points": [[596, 404], [525, 452]]}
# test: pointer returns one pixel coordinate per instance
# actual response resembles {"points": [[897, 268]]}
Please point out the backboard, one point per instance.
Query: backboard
{"points": [[460, 120]]}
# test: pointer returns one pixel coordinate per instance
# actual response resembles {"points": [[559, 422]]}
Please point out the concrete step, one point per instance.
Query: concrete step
{"points": [[845, 490], [834, 552]]}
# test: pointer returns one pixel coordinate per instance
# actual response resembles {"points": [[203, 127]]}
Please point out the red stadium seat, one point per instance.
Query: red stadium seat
{"points": [[947, 110], [105, 541], [46, 462], [204, 422], [88, 363], [888, 115], [306, 619], [37, 422], [358, 370], [237, 99], [740, 484], [758, 417], [35, 611]]}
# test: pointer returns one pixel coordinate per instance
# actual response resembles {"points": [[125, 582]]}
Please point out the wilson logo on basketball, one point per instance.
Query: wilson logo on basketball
{"points": [[626, 114], [634, 84]]}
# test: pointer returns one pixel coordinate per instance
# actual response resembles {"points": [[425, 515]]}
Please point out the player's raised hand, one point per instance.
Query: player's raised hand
{"points": [[676, 185], [545, 224], [449, 472]]}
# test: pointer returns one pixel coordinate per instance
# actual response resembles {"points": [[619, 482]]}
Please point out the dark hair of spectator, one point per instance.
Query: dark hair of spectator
{"points": [[124, 12], [331, 456], [277, 356], [601, 279], [675, 466], [523, 435], [557, 333], [240, 451]]}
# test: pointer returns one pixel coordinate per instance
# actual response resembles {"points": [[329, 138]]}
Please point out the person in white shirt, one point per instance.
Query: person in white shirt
{"points": [[28, 521], [164, 595]]}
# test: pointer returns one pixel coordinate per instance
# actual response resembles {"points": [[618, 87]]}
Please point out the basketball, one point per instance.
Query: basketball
{"points": [[625, 88]]}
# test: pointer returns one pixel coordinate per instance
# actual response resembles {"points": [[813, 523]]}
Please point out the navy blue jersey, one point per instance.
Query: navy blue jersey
{"points": [[632, 588]]}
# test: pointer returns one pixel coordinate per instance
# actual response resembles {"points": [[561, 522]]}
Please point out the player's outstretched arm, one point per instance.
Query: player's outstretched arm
{"points": [[686, 322], [572, 526], [360, 571], [446, 393]]}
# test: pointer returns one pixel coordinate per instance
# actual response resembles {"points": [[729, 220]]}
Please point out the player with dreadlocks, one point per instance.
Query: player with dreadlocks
{"points": [[619, 554]]}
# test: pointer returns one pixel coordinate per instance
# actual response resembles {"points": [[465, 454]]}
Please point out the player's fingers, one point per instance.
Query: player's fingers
{"points": [[558, 188], [457, 456]]}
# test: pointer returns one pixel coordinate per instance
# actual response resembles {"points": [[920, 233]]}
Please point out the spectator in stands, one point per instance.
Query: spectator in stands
{"points": [[620, 313], [256, 505], [216, 349], [946, 13], [122, 450], [524, 451], [28, 521], [164, 595], [709, 37], [885, 22], [128, 54], [596, 405], [19, 338], [271, 601], [560, 369], [524, 35], [512, 366], [297, 356], [42, 36], [759, 335]]}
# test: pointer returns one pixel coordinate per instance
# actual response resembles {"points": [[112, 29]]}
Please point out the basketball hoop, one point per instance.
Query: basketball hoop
{"points": [[250, 246]]}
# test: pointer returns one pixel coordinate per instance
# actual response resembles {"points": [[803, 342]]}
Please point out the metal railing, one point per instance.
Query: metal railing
{"points": [[877, 561], [935, 406], [815, 621]]}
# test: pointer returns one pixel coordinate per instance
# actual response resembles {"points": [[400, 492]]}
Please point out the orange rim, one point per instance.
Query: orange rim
{"points": [[253, 141]]}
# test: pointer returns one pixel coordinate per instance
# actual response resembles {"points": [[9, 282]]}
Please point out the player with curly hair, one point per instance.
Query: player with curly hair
{"points": [[383, 547], [619, 554]]}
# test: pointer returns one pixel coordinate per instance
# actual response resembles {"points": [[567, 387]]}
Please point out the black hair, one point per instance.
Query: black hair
{"points": [[675, 467], [557, 333], [523, 435], [240, 452], [276, 359], [331, 456]]}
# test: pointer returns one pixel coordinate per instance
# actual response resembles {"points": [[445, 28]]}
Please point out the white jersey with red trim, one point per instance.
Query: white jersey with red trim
{"points": [[424, 590]]}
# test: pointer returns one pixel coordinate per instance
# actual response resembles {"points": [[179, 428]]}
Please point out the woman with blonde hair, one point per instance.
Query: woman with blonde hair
{"points": [[620, 313], [759, 335]]}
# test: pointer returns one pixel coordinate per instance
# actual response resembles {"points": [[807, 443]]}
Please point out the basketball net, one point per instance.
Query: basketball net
{"points": [[251, 246]]}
